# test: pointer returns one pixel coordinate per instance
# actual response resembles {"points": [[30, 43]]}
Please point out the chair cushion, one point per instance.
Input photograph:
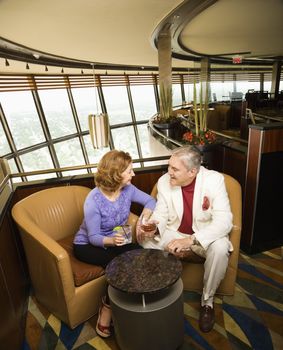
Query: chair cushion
{"points": [[82, 272]]}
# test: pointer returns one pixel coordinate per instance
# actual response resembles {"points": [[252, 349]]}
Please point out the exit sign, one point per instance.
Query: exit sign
{"points": [[237, 59]]}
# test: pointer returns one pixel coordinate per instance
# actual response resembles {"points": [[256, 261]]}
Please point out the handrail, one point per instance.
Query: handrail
{"points": [[180, 144], [167, 138], [8, 177], [278, 119], [78, 167], [4, 182], [233, 138]]}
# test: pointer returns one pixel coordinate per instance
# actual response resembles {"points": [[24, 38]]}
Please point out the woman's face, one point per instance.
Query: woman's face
{"points": [[127, 175]]}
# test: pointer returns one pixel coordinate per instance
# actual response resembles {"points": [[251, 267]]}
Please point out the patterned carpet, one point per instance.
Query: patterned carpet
{"points": [[251, 319]]}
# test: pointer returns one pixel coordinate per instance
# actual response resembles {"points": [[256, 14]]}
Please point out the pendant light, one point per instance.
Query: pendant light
{"points": [[98, 124]]}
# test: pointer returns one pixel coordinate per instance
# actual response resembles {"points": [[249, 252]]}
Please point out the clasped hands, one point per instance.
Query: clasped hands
{"points": [[180, 246]]}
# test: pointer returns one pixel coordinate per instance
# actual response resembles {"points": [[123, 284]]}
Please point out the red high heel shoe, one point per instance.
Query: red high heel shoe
{"points": [[103, 331]]}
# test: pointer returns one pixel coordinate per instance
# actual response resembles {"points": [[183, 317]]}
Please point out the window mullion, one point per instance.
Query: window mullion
{"points": [[104, 110], [11, 142], [46, 131], [134, 118], [78, 126]]}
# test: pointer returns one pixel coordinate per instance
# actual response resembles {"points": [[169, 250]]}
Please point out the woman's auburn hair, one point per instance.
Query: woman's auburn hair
{"points": [[110, 169]]}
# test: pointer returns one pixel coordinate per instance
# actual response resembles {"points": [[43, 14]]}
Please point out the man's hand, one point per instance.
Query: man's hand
{"points": [[176, 246]]}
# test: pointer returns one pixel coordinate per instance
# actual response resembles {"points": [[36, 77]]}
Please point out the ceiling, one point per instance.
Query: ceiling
{"points": [[125, 32]]}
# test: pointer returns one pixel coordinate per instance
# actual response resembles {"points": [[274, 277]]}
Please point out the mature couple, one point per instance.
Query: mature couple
{"points": [[192, 213]]}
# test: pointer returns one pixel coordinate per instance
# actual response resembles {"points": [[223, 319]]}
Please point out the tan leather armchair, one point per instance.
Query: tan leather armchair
{"points": [[192, 274], [44, 218]]}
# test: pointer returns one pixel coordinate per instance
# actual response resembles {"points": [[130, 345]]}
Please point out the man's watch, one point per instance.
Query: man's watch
{"points": [[195, 241]]}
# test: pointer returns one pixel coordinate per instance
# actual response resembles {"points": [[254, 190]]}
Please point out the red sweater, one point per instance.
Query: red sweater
{"points": [[187, 219]]}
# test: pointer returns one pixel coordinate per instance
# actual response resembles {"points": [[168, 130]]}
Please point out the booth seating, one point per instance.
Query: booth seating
{"points": [[67, 287], [193, 271]]}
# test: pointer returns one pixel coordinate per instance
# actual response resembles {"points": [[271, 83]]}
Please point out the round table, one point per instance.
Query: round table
{"points": [[146, 296]]}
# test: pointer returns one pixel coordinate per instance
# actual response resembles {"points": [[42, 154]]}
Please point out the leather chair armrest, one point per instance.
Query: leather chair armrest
{"points": [[53, 258]]}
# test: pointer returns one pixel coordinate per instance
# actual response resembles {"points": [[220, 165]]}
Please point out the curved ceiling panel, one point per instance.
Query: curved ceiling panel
{"points": [[124, 32], [253, 28]]}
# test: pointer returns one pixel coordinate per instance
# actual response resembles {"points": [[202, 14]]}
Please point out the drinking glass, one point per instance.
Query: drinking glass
{"points": [[126, 232], [148, 225]]}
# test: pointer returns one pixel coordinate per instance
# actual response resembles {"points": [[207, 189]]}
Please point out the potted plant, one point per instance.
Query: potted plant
{"points": [[166, 121], [199, 135]]}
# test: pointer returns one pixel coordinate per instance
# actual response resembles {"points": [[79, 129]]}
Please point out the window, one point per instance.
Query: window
{"points": [[267, 86], [37, 160], [58, 113], [19, 108], [244, 86], [143, 101], [117, 102], [12, 165], [177, 95], [144, 138], [69, 153], [94, 155], [4, 146], [222, 90], [20, 111], [125, 140], [86, 102], [188, 89]]}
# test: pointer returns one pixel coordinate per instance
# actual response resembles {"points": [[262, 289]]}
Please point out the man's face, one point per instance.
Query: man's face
{"points": [[179, 174]]}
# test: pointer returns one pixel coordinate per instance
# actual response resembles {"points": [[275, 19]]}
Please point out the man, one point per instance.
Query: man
{"points": [[193, 214]]}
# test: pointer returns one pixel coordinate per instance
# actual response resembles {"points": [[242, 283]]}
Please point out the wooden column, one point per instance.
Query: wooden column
{"points": [[262, 209], [205, 73], [165, 58], [276, 71]]}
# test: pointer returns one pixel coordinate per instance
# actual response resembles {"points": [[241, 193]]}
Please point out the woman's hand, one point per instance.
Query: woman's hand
{"points": [[116, 240]]}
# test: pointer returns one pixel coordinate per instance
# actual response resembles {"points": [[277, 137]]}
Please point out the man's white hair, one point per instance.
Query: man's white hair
{"points": [[190, 156]]}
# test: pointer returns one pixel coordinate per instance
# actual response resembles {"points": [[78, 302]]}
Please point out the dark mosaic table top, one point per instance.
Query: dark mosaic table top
{"points": [[143, 271]]}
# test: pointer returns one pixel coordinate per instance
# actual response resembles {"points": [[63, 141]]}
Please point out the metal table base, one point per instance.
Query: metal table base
{"points": [[148, 321]]}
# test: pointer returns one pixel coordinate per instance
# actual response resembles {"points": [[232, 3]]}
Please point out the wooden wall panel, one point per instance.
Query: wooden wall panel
{"points": [[272, 141], [251, 186], [234, 164], [262, 229], [14, 286], [145, 182]]}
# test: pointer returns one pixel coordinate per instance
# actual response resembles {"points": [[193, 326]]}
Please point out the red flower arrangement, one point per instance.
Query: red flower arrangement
{"points": [[204, 137]]}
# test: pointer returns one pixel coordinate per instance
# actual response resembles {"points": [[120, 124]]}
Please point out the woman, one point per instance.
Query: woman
{"points": [[106, 207]]}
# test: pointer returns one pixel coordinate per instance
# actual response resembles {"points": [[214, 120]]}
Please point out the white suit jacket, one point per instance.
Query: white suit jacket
{"points": [[212, 217]]}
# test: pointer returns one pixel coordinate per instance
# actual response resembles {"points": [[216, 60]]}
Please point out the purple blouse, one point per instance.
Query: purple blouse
{"points": [[101, 215]]}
